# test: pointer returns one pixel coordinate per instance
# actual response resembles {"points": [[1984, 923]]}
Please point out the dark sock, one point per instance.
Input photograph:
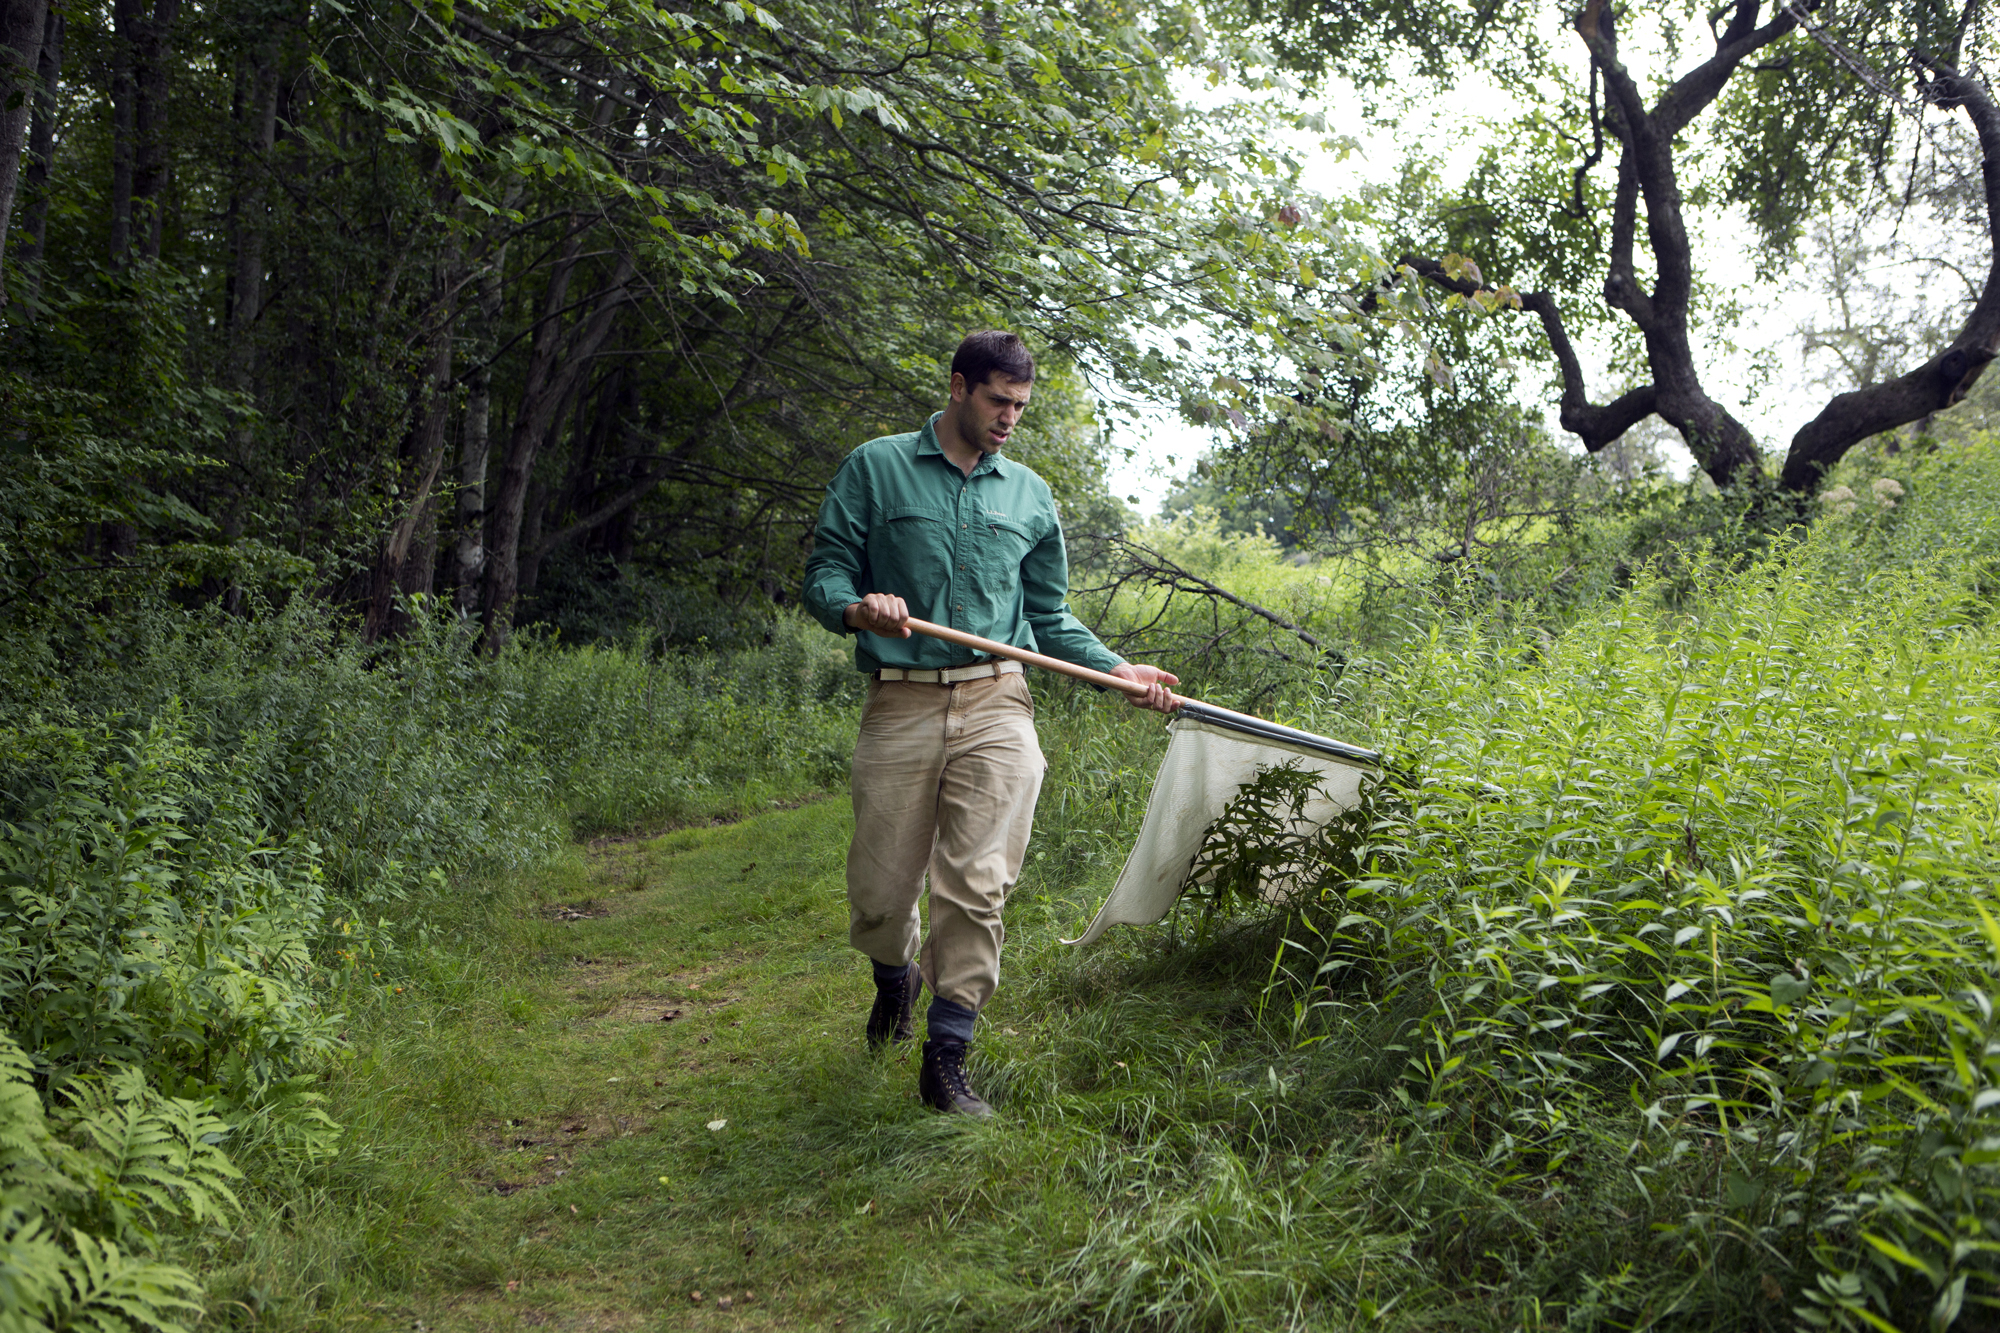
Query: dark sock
{"points": [[950, 1022], [887, 975]]}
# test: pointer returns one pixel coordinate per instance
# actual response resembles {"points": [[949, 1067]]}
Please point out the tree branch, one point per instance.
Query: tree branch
{"points": [[1693, 91], [1721, 444], [1158, 570], [1595, 425], [1621, 281], [1947, 377]]}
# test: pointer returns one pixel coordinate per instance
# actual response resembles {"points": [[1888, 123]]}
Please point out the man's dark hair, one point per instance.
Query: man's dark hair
{"points": [[991, 352]]}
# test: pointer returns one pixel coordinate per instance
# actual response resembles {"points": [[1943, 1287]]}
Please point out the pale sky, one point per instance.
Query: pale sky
{"points": [[1450, 129]]}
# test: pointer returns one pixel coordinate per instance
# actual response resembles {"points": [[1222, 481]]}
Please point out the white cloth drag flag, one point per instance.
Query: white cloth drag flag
{"points": [[1213, 753]]}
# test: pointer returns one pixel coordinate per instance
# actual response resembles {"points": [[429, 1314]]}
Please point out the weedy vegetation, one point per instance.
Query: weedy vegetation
{"points": [[1651, 987], [225, 835]]}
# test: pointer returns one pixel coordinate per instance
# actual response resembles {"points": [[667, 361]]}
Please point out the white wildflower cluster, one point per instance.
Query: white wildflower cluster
{"points": [[1841, 501]]}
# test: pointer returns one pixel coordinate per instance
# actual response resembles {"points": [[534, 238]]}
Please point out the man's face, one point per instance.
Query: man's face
{"points": [[988, 412]]}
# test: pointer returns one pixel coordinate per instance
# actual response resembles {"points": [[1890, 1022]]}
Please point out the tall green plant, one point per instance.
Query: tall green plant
{"points": [[1715, 871]]}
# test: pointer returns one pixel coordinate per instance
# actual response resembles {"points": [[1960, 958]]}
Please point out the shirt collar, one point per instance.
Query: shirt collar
{"points": [[927, 443]]}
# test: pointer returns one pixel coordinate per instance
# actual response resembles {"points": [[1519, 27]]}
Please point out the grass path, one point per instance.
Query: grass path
{"points": [[653, 1086], [531, 1142], [663, 986]]}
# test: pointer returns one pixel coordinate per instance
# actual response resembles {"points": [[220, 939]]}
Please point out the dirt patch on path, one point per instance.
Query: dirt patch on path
{"points": [[540, 1150], [663, 1009], [694, 993]]}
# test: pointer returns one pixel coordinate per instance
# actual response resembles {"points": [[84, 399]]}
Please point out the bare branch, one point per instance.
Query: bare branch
{"points": [[1162, 572], [1595, 425]]}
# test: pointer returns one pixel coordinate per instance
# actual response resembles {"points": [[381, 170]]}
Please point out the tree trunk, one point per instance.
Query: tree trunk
{"points": [[151, 169], [1721, 444], [475, 448], [40, 166], [1947, 377], [422, 460], [535, 511], [546, 385], [618, 403], [586, 438], [141, 71], [23, 25], [257, 129], [126, 16], [1647, 138], [420, 568], [256, 115], [502, 578]]}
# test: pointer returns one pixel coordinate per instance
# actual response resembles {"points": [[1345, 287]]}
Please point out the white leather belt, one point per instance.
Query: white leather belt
{"points": [[977, 671]]}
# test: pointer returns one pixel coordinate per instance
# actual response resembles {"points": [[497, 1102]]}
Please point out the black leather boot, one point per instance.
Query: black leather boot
{"points": [[892, 1018], [942, 1083]]}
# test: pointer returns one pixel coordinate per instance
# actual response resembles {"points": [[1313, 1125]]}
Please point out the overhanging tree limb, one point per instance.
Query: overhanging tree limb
{"points": [[1944, 379], [1150, 566], [1597, 425]]}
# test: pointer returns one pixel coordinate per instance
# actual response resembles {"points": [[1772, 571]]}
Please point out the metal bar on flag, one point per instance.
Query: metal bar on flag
{"points": [[1277, 731]]}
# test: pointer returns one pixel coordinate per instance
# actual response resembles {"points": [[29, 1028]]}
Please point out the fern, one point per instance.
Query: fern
{"points": [[140, 1157], [144, 1155], [32, 1267], [109, 1291], [22, 1131], [147, 917]]}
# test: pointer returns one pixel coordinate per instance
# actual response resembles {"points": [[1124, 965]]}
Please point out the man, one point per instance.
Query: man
{"points": [[947, 765]]}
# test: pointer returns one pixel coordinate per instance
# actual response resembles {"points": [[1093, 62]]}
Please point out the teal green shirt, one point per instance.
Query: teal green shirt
{"points": [[981, 553]]}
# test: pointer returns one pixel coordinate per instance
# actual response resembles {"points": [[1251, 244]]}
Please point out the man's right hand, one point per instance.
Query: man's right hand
{"points": [[879, 613]]}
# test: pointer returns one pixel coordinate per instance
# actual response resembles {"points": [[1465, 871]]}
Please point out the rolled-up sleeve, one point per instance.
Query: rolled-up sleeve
{"points": [[838, 568], [1045, 605]]}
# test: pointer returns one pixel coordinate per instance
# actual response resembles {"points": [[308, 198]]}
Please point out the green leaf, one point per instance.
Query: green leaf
{"points": [[1944, 1313], [1787, 988], [1900, 1255]]}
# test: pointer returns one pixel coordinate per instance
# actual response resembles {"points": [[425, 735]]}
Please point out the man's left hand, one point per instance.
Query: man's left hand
{"points": [[1158, 696]]}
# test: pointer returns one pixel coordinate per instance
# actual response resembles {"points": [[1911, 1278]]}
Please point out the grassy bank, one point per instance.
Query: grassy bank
{"points": [[1656, 993]]}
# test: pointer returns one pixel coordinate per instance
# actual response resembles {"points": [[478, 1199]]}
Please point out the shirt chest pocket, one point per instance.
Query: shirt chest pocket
{"points": [[909, 553], [1000, 546]]}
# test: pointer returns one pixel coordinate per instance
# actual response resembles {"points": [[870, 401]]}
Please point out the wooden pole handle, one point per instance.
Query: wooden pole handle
{"points": [[1255, 726], [996, 649]]}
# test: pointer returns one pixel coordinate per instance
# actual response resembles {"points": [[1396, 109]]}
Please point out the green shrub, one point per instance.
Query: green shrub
{"points": [[1703, 896], [134, 933], [216, 832], [628, 737]]}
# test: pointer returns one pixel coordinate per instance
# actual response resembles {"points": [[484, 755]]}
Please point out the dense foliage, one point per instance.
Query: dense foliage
{"points": [[411, 419], [1687, 914], [222, 833], [404, 302], [1656, 969]]}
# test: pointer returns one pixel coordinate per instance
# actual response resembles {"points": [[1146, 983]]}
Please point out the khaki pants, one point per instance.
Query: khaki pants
{"points": [[944, 780]]}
